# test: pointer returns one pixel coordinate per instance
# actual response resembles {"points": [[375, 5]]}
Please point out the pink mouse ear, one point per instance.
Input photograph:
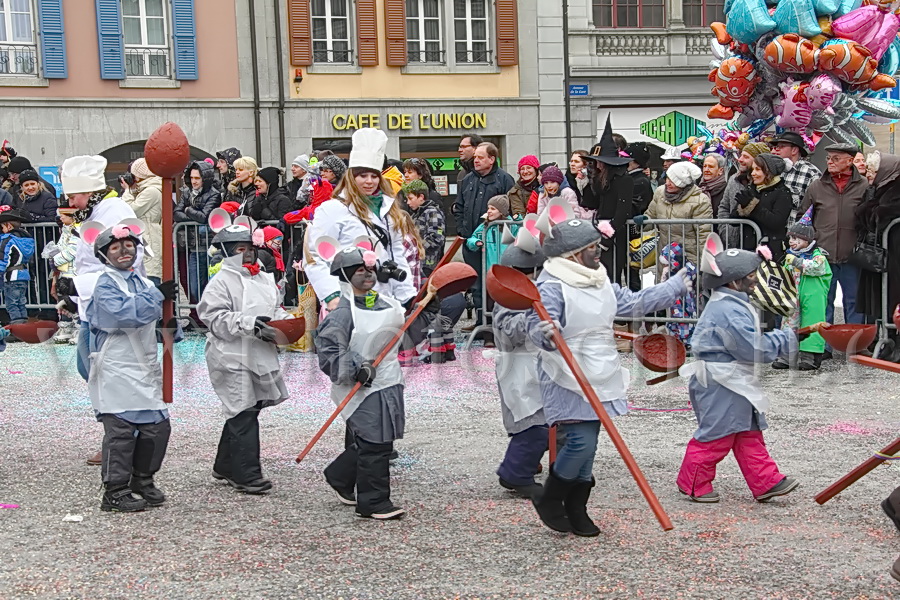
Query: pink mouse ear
{"points": [[712, 248], [89, 231], [219, 219], [365, 242], [327, 247], [530, 223], [558, 210], [246, 222], [134, 225]]}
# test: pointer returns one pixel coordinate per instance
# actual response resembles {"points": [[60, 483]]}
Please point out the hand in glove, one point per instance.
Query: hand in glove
{"points": [[264, 331], [479, 244], [548, 329], [639, 219], [50, 250], [168, 289], [744, 197], [366, 374], [688, 274], [4, 333], [789, 259]]}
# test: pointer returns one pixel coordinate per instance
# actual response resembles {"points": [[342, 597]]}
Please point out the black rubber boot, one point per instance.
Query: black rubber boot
{"points": [[549, 503], [576, 509], [142, 484], [119, 499]]}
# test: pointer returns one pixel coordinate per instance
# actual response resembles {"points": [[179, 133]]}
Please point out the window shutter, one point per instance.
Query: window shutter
{"points": [[300, 32], [109, 34], [366, 33], [53, 39], [507, 33], [395, 32], [184, 40]]}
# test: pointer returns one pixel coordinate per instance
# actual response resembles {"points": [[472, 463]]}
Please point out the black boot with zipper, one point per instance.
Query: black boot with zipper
{"points": [[549, 503], [576, 509]]}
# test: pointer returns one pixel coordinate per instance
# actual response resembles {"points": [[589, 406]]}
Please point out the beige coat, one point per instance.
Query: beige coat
{"points": [[696, 205], [145, 199]]}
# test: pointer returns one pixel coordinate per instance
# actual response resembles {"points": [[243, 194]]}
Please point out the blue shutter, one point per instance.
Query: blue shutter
{"points": [[109, 37], [184, 37], [53, 39]]}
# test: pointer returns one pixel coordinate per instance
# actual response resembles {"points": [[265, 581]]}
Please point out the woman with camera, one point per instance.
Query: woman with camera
{"points": [[363, 207]]}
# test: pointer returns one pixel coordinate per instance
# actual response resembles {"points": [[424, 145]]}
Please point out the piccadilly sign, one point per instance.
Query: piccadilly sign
{"points": [[407, 122], [673, 128]]}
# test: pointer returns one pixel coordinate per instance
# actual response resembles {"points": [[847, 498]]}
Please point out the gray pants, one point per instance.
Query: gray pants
{"points": [[132, 448]]}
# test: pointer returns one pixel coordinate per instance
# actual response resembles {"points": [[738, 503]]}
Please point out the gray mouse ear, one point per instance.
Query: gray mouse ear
{"points": [[711, 249]]}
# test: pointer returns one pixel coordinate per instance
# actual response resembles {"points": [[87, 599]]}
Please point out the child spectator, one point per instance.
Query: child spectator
{"points": [[489, 239], [126, 378], [412, 243], [672, 259], [812, 273], [270, 251], [727, 398], [62, 259], [16, 251], [429, 221], [552, 179]]}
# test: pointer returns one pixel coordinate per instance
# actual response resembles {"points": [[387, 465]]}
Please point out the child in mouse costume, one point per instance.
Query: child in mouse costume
{"points": [[726, 395], [125, 379], [241, 354], [347, 343], [583, 302], [520, 395]]}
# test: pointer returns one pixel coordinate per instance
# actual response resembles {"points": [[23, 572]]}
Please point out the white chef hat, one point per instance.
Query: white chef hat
{"points": [[369, 146], [82, 174]]}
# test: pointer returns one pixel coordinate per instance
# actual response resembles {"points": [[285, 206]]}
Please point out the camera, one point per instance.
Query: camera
{"points": [[389, 270], [127, 178]]}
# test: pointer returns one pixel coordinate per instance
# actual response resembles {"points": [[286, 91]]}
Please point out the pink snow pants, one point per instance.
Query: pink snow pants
{"points": [[700, 459]]}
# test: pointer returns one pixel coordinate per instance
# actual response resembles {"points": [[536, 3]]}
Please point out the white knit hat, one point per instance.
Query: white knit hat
{"points": [[83, 174], [683, 174], [369, 146]]}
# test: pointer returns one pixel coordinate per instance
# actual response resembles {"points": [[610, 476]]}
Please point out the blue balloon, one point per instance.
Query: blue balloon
{"points": [[759, 126], [748, 20], [846, 6], [796, 16], [704, 132], [826, 7], [890, 62]]}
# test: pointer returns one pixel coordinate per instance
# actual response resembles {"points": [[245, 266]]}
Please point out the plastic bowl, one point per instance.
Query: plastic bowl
{"points": [[849, 338], [511, 289], [660, 353], [34, 332], [291, 330], [453, 278]]}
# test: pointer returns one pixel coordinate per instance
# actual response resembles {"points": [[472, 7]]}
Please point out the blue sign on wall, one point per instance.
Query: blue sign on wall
{"points": [[579, 89], [51, 174]]}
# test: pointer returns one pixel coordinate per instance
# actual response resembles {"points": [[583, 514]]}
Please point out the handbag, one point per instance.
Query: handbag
{"points": [[869, 255], [776, 290]]}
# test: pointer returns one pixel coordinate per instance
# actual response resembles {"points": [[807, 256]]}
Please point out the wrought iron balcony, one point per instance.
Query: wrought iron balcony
{"points": [[147, 62], [18, 59], [639, 52]]}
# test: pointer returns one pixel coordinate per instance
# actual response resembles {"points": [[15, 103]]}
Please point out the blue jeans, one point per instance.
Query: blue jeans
{"points": [[15, 295], [83, 351], [575, 462], [197, 275], [848, 276]]}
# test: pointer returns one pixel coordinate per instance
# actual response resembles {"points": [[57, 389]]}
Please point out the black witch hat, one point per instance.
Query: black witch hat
{"points": [[606, 150]]}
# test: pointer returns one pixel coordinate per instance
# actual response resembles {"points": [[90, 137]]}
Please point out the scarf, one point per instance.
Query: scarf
{"points": [[714, 186], [771, 183], [252, 269], [279, 259], [574, 274], [375, 202], [805, 252], [676, 197], [96, 198], [530, 186]]}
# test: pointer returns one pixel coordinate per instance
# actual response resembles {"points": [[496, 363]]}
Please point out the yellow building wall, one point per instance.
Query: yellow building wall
{"points": [[383, 81]]}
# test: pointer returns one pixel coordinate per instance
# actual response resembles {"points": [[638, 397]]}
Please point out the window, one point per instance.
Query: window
{"points": [[423, 31], [331, 31], [18, 51], [145, 31], [700, 13], [470, 27], [630, 13]]}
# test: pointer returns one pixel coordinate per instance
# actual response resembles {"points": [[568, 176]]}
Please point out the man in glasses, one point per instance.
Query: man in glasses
{"points": [[467, 146]]}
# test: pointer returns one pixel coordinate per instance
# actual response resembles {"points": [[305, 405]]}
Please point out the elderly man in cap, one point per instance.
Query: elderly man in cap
{"points": [[790, 145], [834, 198]]}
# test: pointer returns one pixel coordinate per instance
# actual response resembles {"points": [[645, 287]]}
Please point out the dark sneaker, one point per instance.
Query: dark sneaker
{"points": [[391, 512], [345, 496], [809, 361], [786, 486], [260, 486], [780, 364], [710, 498], [120, 499], [827, 355], [895, 570], [220, 477], [530, 490], [147, 490]]}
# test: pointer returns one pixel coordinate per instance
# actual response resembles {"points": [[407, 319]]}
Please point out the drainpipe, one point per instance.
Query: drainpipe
{"points": [[254, 57], [566, 94], [279, 62]]}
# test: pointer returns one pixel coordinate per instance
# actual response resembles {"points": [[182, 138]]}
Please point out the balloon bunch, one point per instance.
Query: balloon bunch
{"points": [[725, 140], [809, 66]]}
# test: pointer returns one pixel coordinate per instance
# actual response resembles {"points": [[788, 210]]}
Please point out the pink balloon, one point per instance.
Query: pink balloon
{"points": [[869, 26], [822, 90], [795, 112]]}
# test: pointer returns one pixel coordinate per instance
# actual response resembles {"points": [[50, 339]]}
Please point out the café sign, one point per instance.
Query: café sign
{"points": [[409, 121]]}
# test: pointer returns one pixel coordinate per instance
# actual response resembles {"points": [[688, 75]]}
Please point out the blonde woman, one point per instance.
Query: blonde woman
{"points": [[242, 189], [363, 206]]}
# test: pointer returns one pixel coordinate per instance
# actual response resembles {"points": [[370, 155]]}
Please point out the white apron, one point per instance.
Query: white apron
{"points": [[518, 383], [125, 373], [739, 378], [372, 329], [589, 334]]}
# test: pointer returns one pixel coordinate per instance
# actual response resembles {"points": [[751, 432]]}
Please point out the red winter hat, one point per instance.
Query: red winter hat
{"points": [[322, 191], [271, 233], [529, 160], [230, 207]]}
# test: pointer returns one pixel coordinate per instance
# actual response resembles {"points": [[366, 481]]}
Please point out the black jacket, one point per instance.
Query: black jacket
{"points": [[196, 209], [614, 203], [474, 193], [41, 207], [271, 207], [769, 208], [643, 192], [244, 196]]}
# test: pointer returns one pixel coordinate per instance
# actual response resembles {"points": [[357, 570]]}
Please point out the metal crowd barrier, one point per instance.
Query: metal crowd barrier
{"points": [[687, 231], [39, 297], [887, 311]]}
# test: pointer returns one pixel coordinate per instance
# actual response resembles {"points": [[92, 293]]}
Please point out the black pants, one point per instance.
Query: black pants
{"points": [[238, 455], [132, 448], [365, 466], [473, 259], [616, 259]]}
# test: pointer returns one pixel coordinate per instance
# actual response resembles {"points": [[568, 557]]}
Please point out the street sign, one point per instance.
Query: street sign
{"points": [[579, 89], [51, 174]]}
